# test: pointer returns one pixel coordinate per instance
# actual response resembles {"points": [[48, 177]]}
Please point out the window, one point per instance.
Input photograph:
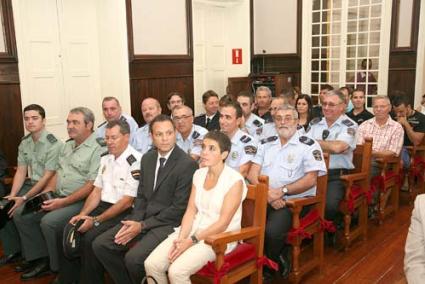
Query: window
{"points": [[344, 45]]}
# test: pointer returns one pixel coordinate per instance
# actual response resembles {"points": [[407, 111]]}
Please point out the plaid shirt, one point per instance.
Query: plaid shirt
{"points": [[386, 137]]}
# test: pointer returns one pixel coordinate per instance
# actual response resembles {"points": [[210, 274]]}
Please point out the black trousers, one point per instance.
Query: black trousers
{"points": [[124, 263], [278, 224], [334, 195], [79, 269]]}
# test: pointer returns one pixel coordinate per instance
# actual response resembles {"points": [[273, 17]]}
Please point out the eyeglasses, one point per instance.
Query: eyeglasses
{"points": [[178, 118], [325, 134]]}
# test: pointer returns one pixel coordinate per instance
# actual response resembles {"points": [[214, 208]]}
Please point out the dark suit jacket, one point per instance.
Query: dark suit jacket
{"points": [[162, 209], [213, 125]]}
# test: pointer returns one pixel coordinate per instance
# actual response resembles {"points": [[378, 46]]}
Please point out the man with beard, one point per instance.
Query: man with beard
{"points": [[293, 162], [150, 109]]}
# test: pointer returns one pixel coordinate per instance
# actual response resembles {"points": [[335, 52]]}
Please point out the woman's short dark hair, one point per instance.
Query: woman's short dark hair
{"points": [[222, 140], [37, 108]]}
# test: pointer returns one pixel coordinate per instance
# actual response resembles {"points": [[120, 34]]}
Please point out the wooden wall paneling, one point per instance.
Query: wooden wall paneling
{"points": [[402, 61], [157, 75], [11, 126]]}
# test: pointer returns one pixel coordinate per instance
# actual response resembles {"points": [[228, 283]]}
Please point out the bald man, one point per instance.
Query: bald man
{"points": [[150, 109]]}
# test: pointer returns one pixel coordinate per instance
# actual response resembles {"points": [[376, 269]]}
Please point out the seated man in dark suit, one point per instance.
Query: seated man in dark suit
{"points": [[209, 119], [163, 193]]}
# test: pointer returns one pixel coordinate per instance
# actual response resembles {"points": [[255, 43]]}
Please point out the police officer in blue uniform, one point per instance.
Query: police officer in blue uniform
{"points": [[150, 109], [293, 163], [336, 134]]}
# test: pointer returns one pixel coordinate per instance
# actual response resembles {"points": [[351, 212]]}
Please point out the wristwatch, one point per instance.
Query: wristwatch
{"points": [[96, 222], [194, 239], [285, 190]]}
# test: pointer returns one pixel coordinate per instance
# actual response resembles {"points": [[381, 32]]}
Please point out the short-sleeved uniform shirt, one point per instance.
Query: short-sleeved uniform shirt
{"points": [[243, 150], [78, 164], [285, 164], [193, 143], [343, 129], [101, 129], [39, 156], [120, 176], [254, 125], [143, 141]]}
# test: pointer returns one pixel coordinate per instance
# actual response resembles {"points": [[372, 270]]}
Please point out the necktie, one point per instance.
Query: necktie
{"points": [[208, 122], [161, 166]]}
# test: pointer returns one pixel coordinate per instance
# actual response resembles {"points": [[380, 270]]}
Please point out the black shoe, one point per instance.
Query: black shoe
{"points": [[24, 266], [11, 258], [268, 275], [284, 264], [40, 269]]}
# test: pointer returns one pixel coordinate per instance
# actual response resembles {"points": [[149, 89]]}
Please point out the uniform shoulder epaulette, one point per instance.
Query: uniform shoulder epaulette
{"points": [[299, 127], [26, 136], [315, 120], [131, 159], [245, 139], [104, 154], [195, 134], [101, 141], [69, 140], [51, 138], [202, 114], [122, 118], [306, 140], [257, 123], [268, 139], [103, 123], [347, 122]]}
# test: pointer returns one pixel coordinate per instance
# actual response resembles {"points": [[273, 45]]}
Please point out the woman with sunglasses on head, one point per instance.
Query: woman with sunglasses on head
{"points": [[215, 206]]}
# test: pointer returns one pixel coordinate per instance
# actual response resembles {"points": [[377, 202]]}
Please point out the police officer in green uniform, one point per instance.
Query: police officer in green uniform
{"points": [[37, 158], [78, 165]]}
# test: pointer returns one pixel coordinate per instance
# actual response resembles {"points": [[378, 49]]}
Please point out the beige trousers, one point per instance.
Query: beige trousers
{"points": [[179, 272]]}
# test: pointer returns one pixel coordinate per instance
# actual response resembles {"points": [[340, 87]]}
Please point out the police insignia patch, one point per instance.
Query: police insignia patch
{"points": [[259, 130], [268, 139], [306, 140], [234, 155], [290, 159], [250, 150], [131, 159], [351, 131], [136, 174], [317, 155], [101, 141]]}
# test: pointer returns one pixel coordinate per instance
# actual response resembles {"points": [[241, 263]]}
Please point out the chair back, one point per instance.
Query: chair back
{"points": [[362, 156], [322, 187], [255, 204]]}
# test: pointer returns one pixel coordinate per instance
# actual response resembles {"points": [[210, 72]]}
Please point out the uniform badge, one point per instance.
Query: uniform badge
{"points": [[131, 159], [351, 131], [52, 139], [250, 150], [136, 174], [259, 130], [290, 159], [234, 155], [317, 155]]}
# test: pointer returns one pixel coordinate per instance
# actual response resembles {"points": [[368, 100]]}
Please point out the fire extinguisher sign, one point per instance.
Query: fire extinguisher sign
{"points": [[237, 56]]}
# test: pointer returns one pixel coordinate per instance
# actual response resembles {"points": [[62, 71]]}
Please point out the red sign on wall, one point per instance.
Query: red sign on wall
{"points": [[237, 56]]}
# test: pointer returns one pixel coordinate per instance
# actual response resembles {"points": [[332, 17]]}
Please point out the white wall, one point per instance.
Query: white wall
{"points": [[420, 63], [113, 51], [218, 27]]}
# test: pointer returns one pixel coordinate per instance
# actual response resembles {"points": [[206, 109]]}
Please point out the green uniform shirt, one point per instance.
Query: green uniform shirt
{"points": [[39, 156], [78, 165]]}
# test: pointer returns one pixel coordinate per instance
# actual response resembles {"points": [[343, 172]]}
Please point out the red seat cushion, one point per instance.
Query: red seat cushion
{"points": [[241, 254]]}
